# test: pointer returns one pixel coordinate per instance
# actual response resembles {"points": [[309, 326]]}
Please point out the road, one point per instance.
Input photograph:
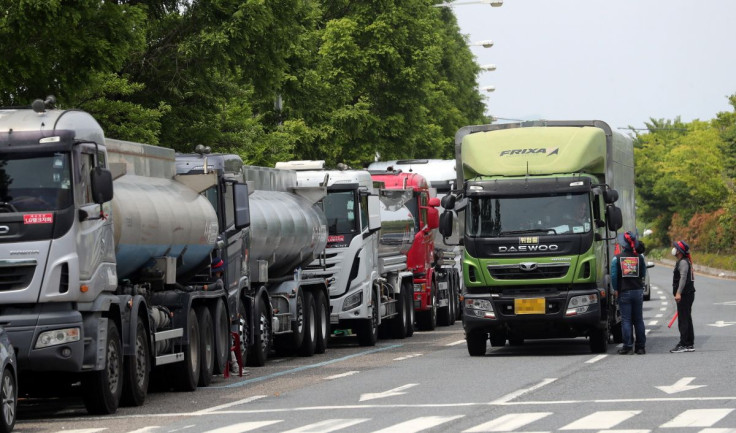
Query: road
{"points": [[428, 383]]}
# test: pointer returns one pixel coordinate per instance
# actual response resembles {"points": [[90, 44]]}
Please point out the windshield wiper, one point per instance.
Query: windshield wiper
{"points": [[523, 232]]}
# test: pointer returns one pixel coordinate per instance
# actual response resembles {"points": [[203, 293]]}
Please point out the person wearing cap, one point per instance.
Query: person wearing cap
{"points": [[628, 270], [683, 288]]}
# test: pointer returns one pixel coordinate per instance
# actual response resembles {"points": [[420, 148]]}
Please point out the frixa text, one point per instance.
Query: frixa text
{"points": [[528, 248], [528, 151]]}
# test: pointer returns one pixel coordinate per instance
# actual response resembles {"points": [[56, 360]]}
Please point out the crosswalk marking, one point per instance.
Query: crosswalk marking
{"points": [[624, 431], [243, 427], [697, 418], [86, 430], [145, 429], [718, 430], [508, 422], [601, 420], [418, 424], [328, 425]]}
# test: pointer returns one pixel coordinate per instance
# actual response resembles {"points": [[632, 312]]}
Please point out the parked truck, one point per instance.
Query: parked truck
{"points": [[279, 305], [441, 175], [431, 302], [542, 202], [370, 232]]}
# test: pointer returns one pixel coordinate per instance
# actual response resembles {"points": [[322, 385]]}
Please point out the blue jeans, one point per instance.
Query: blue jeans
{"points": [[631, 303]]}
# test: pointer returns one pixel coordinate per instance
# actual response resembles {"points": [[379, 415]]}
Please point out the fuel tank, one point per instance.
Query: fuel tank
{"points": [[286, 230], [397, 229]]}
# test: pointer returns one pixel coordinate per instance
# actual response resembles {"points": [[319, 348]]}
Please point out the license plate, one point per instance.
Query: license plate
{"points": [[529, 306]]}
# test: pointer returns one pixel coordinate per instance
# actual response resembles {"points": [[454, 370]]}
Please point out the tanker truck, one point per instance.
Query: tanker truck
{"points": [[542, 201], [432, 303], [279, 306], [105, 260], [440, 173], [370, 233]]}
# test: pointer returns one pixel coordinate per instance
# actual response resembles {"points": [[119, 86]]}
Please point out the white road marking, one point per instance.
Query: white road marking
{"points": [[646, 331], [86, 430], [231, 404], [508, 397], [604, 419], [145, 429], [183, 428], [413, 355], [652, 322], [338, 376], [328, 425], [663, 309], [679, 386], [662, 297], [697, 418], [595, 359], [658, 315], [718, 430], [418, 424], [664, 303], [390, 393], [457, 343], [243, 427], [508, 422], [624, 431]]}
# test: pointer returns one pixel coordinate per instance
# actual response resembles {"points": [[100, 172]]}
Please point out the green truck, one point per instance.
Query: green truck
{"points": [[542, 202]]}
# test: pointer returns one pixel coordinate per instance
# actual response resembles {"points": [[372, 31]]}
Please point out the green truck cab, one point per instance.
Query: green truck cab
{"points": [[539, 205]]}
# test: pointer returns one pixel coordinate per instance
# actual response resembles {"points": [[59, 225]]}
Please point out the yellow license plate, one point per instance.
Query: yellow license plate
{"points": [[529, 306]]}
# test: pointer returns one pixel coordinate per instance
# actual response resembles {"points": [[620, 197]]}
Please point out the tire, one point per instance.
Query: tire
{"points": [[261, 335], [498, 339], [243, 331], [102, 389], [458, 302], [368, 333], [137, 369], [206, 345], [444, 313], [309, 341], [400, 323], [453, 305], [648, 294], [186, 373], [427, 320], [221, 322], [616, 334], [323, 322], [476, 341], [599, 340], [515, 340], [409, 288], [9, 396]]}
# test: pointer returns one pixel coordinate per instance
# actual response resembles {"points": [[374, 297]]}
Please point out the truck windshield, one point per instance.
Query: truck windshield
{"points": [[35, 182], [540, 215], [340, 210]]}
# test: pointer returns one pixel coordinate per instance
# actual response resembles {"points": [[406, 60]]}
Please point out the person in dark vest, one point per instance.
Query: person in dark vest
{"points": [[628, 270], [683, 288]]}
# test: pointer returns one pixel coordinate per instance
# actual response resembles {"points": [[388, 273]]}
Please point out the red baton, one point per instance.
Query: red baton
{"points": [[673, 320]]}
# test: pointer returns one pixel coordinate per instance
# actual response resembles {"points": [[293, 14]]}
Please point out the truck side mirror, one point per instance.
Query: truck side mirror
{"points": [[610, 196], [101, 183], [446, 224], [374, 212], [433, 218], [614, 218], [241, 204], [448, 202]]}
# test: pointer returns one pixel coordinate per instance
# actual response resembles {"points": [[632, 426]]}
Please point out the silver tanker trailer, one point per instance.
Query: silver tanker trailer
{"points": [[280, 307], [370, 232], [106, 259]]}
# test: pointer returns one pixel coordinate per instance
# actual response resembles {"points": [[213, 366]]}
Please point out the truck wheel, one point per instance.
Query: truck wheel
{"points": [[368, 333], [222, 336], [443, 313], [476, 341], [323, 324], [616, 334], [598, 340], [428, 319], [206, 345], [261, 335], [458, 302], [452, 305], [498, 339], [243, 331], [309, 342], [409, 289], [186, 373], [515, 340], [288, 344], [137, 369], [102, 389], [400, 323], [9, 395]]}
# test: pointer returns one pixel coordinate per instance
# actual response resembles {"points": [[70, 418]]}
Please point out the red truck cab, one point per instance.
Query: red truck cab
{"points": [[420, 258]]}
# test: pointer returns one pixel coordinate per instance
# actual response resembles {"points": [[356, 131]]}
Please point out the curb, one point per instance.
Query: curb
{"points": [[731, 275]]}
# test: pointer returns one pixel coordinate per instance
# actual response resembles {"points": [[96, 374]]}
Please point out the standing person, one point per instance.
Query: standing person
{"points": [[628, 270], [683, 288]]}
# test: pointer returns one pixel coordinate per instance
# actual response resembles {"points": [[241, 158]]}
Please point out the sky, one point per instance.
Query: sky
{"points": [[620, 61]]}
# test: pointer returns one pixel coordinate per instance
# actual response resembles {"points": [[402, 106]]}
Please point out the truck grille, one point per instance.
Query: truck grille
{"points": [[528, 271], [16, 277]]}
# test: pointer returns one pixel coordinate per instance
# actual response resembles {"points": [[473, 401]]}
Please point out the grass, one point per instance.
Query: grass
{"points": [[718, 261]]}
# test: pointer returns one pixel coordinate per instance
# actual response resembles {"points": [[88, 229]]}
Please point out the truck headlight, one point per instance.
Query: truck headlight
{"points": [[580, 304], [56, 337], [352, 301], [482, 308]]}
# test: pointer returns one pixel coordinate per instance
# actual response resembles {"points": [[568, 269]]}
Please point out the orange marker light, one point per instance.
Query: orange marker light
{"points": [[84, 288]]}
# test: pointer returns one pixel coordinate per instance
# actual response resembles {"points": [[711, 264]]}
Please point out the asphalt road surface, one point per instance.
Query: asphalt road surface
{"points": [[429, 383]]}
